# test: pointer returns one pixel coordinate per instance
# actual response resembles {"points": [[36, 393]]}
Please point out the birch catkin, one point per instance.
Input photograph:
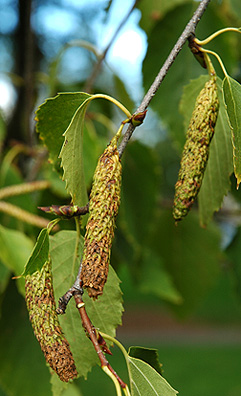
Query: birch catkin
{"points": [[42, 314], [103, 209], [196, 149]]}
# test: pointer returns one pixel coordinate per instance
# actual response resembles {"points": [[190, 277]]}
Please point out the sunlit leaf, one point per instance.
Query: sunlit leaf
{"points": [[105, 313], [232, 98], [145, 380], [53, 118], [72, 158], [39, 254]]}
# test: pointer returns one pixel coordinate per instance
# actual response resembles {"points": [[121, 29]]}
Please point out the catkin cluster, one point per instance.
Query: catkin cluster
{"points": [[196, 149], [103, 209], [42, 314]]}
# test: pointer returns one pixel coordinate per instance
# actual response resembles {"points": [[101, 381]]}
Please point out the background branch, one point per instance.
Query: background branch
{"points": [[97, 67], [189, 30]]}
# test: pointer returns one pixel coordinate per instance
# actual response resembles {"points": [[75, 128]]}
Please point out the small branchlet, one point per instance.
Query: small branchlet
{"points": [[65, 211]]}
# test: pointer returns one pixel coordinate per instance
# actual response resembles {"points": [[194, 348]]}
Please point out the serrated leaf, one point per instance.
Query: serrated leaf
{"points": [[232, 99], [15, 250], [145, 380], [39, 255], [154, 279], [216, 181], [105, 313], [53, 118], [148, 355], [72, 158]]}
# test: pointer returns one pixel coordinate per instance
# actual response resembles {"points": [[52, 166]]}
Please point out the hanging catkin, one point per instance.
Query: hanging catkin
{"points": [[196, 149], [103, 209], [42, 314]]}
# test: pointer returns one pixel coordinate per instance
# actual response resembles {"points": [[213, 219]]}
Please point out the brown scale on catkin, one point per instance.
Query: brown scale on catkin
{"points": [[42, 314], [196, 149], [103, 209]]}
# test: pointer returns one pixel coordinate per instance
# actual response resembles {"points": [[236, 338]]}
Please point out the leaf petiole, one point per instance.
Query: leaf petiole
{"points": [[214, 35], [114, 379], [113, 100], [218, 58]]}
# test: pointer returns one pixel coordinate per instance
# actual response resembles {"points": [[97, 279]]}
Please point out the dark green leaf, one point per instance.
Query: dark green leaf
{"points": [[105, 313], [153, 10], [39, 255], [53, 118], [140, 187], [146, 381], [154, 279], [122, 94], [72, 158], [148, 355], [191, 256], [15, 250], [232, 99]]}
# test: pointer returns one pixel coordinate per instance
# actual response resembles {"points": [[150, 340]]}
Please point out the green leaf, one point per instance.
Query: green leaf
{"points": [[191, 256], [15, 250], [148, 355], [216, 182], [4, 277], [154, 279], [140, 188], [53, 118], [232, 99], [145, 380], [105, 313], [39, 255], [72, 158], [152, 11], [122, 94]]}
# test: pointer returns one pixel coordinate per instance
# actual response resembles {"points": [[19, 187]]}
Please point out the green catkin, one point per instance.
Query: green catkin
{"points": [[42, 314], [196, 149], [103, 209]]}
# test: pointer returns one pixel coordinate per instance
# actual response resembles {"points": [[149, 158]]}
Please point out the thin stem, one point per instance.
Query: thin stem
{"points": [[97, 67], [214, 35], [123, 350], [113, 100], [111, 375], [218, 58], [189, 29], [92, 333]]}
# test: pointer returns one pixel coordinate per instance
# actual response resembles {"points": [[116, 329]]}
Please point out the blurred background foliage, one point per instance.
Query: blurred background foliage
{"points": [[185, 273]]}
